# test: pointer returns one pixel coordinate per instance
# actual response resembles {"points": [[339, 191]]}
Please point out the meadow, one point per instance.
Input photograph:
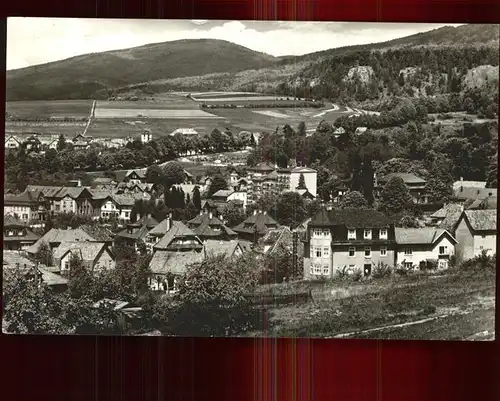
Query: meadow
{"points": [[49, 109]]}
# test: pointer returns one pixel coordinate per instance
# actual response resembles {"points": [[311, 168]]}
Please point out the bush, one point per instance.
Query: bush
{"points": [[402, 270], [381, 270], [480, 262]]}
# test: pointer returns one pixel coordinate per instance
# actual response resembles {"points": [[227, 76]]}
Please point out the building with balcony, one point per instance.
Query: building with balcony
{"points": [[349, 240]]}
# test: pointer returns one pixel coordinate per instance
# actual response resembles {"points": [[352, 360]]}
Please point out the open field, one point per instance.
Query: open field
{"points": [[224, 95], [42, 128], [119, 128], [49, 109], [449, 307], [164, 102], [152, 113], [164, 115]]}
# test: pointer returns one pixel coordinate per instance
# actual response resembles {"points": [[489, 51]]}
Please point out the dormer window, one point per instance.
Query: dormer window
{"points": [[383, 233], [10, 233], [367, 234], [351, 234]]}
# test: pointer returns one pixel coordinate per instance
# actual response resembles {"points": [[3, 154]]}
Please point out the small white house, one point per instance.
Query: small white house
{"points": [[416, 247], [95, 256]]}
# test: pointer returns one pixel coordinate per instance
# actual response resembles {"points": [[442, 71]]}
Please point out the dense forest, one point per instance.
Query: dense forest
{"points": [[368, 75]]}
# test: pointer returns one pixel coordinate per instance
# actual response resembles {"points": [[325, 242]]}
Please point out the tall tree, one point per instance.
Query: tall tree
{"points": [[218, 183], [301, 129], [302, 182], [44, 254], [197, 198], [353, 200], [173, 173], [61, 143], [395, 197], [290, 209]]}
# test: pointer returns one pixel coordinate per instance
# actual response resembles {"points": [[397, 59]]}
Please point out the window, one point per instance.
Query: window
{"points": [[408, 251], [318, 232], [10, 233], [383, 233], [66, 265], [311, 252], [326, 252], [317, 269], [368, 252], [408, 265], [326, 269], [443, 250], [351, 234], [383, 251], [318, 252], [367, 234], [443, 264], [352, 252]]}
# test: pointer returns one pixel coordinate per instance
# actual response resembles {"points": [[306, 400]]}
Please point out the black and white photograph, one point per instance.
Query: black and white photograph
{"points": [[206, 178]]}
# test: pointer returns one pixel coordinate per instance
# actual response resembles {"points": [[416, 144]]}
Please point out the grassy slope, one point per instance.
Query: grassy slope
{"points": [[394, 304]]}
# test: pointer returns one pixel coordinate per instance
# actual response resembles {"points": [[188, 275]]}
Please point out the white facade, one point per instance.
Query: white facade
{"points": [[104, 262], [12, 143], [238, 196], [109, 209], [440, 250], [22, 212], [310, 178], [67, 205], [320, 252]]}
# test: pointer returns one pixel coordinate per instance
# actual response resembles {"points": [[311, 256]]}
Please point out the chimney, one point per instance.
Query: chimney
{"points": [[210, 215], [264, 212], [169, 221], [461, 179], [254, 212], [201, 212], [149, 215]]}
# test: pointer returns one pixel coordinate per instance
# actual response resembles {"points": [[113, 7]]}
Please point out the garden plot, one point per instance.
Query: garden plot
{"points": [[152, 113]]}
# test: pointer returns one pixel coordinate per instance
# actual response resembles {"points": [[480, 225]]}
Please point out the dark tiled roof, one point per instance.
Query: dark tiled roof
{"points": [[424, 235], [14, 258], [164, 262], [49, 191], [87, 251], [214, 247], [137, 234], [178, 229], [258, 223], [408, 178], [355, 218], [205, 225], [482, 220], [148, 221], [56, 235], [99, 233], [452, 215], [26, 198]]}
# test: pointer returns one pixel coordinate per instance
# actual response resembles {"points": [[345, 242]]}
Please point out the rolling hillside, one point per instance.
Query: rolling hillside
{"points": [[176, 65], [93, 74]]}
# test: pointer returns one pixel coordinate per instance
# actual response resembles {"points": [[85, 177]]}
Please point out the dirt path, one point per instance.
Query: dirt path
{"points": [[334, 108]]}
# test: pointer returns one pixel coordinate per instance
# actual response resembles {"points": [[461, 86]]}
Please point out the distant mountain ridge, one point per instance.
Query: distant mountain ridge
{"points": [[202, 64]]}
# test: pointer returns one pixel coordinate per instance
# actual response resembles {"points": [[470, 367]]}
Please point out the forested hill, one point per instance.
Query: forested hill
{"points": [[440, 61]]}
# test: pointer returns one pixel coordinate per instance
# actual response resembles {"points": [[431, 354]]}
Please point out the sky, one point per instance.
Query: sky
{"points": [[32, 41]]}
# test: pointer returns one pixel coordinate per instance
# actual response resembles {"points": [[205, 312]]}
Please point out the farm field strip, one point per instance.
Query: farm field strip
{"points": [[270, 113], [151, 113], [165, 103], [236, 99]]}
